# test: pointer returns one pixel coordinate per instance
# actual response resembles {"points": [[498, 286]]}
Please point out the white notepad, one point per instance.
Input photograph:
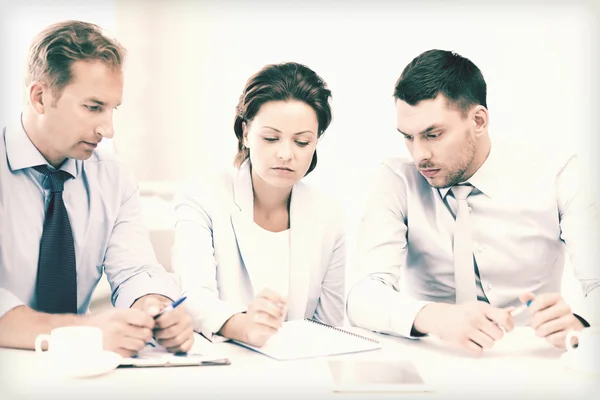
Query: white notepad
{"points": [[308, 338]]}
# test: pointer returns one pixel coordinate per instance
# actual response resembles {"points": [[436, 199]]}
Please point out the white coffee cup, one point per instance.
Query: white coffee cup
{"points": [[585, 350], [72, 342]]}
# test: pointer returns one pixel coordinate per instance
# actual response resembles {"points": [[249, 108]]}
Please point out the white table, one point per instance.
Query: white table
{"points": [[520, 366]]}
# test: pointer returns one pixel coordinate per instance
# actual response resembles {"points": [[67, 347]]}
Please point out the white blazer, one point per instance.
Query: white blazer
{"points": [[213, 258]]}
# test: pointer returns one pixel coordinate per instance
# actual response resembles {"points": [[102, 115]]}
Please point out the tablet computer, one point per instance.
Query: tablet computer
{"points": [[376, 376]]}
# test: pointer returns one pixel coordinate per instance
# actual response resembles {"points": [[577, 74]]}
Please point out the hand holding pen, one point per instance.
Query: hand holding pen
{"points": [[551, 317], [173, 327], [170, 307], [521, 308], [472, 326]]}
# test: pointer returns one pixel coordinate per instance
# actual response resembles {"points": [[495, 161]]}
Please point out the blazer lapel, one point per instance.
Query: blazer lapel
{"points": [[242, 218], [303, 246]]}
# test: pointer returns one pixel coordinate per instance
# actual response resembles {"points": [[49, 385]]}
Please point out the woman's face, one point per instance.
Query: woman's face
{"points": [[282, 138]]}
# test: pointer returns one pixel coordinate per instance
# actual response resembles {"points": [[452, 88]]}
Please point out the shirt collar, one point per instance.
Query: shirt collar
{"points": [[21, 152], [486, 178]]}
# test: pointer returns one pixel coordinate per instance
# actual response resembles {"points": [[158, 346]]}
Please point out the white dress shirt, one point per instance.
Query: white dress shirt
{"points": [[103, 205], [524, 209], [273, 249]]}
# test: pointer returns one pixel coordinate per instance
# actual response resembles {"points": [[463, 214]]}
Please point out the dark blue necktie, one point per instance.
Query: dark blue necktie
{"points": [[56, 285]]}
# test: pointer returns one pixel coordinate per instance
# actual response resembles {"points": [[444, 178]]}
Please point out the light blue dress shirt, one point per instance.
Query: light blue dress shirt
{"points": [[103, 205], [527, 208]]}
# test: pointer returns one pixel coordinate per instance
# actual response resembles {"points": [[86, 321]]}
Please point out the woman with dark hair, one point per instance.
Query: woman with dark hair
{"points": [[256, 246]]}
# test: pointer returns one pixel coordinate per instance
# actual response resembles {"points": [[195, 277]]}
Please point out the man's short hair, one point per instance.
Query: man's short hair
{"points": [[54, 50], [444, 72]]}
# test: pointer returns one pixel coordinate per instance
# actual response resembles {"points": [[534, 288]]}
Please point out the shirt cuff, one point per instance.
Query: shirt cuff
{"points": [[146, 283], [8, 301], [212, 325], [377, 305], [209, 318], [402, 322]]}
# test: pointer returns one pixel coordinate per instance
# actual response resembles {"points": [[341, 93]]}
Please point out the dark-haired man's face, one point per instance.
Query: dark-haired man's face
{"points": [[440, 139]]}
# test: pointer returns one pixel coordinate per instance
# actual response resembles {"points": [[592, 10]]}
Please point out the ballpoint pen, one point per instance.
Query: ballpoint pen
{"points": [[521, 308], [171, 307], [167, 309]]}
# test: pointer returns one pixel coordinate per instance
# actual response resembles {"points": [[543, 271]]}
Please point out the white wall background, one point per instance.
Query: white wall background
{"points": [[188, 62]]}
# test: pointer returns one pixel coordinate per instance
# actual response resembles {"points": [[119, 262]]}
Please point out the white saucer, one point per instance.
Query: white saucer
{"points": [[574, 362], [84, 368]]}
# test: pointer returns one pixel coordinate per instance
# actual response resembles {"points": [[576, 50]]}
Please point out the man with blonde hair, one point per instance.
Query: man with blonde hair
{"points": [[69, 212]]}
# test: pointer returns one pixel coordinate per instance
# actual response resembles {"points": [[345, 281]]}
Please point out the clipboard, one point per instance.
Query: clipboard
{"points": [[153, 356]]}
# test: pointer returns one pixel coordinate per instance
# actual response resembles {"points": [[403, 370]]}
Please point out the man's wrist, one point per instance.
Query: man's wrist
{"points": [[426, 319], [140, 300]]}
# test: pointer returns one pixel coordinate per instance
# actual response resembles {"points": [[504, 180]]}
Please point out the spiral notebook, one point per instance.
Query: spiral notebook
{"points": [[308, 338]]}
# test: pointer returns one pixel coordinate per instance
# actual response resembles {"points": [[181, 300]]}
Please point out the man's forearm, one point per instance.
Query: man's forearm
{"points": [[20, 326], [377, 306], [426, 319]]}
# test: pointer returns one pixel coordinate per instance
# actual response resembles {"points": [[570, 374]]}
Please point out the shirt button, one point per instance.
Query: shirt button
{"points": [[479, 248], [489, 286], [469, 209]]}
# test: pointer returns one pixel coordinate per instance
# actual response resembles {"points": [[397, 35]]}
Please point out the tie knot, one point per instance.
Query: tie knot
{"points": [[56, 178], [462, 192]]}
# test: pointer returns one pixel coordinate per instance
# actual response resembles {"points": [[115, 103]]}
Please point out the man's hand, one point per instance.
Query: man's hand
{"points": [[470, 326], [172, 329], [263, 319], [125, 331], [551, 317]]}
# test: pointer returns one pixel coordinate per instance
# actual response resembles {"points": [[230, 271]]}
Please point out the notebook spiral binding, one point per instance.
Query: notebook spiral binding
{"points": [[341, 330]]}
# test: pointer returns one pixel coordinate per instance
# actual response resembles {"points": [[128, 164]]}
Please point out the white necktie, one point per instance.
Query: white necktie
{"points": [[464, 269]]}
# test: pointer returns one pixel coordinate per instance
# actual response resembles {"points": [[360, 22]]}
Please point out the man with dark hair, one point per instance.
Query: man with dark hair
{"points": [[69, 212], [454, 239]]}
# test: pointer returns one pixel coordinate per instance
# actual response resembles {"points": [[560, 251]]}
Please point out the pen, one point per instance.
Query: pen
{"points": [[167, 309], [521, 308], [171, 306]]}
